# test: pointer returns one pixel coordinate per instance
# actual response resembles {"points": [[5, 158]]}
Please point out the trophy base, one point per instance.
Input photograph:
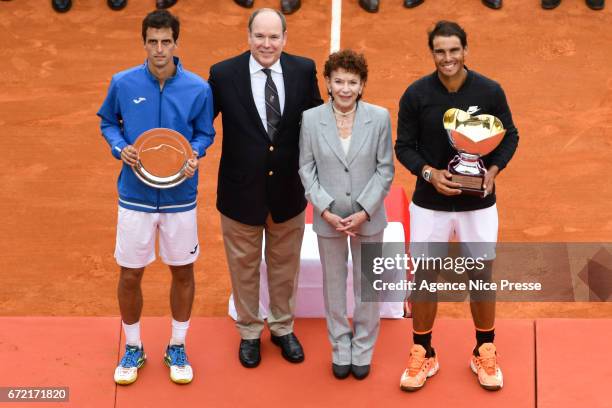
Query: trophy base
{"points": [[469, 171], [471, 185]]}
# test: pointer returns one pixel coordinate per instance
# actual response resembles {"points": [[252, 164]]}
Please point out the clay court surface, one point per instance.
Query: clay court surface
{"points": [[59, 202], [58, 192]]}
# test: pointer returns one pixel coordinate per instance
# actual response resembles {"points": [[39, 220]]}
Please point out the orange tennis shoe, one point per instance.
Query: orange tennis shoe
{"points": [[486, 368], [420, 368]]}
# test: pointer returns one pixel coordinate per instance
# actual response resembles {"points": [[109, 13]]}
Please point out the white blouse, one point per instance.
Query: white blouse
{"points": [[346, 143]]}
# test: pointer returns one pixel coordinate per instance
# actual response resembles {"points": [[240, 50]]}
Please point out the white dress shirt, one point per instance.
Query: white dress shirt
{"points": [[258, 86]]}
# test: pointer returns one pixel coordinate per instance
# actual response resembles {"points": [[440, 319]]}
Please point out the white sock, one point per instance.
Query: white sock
{"points": [[132, 334], [179, 332]]}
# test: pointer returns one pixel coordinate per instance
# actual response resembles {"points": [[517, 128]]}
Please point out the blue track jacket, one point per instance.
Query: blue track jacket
{"points": [[135, 104]]}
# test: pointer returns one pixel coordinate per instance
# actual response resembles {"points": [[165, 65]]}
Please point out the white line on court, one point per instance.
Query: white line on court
{"points": [[335, 26]]}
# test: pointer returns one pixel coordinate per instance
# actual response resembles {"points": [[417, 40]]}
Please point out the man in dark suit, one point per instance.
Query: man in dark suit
{"points": [[262, 94]]}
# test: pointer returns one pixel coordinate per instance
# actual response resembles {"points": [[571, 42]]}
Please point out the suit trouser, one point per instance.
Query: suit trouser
{"points": [[349, 345], [282, 254]]}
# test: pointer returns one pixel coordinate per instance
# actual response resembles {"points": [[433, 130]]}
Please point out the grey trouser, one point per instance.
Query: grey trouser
{"points": [[349, 345]]}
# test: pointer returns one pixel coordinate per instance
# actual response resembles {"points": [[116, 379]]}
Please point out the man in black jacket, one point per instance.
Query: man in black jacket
{"points": [[262, 94], [439, 210]]}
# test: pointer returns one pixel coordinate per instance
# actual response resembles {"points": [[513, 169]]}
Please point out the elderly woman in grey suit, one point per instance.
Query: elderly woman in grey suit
{"points": [[346, 166]]}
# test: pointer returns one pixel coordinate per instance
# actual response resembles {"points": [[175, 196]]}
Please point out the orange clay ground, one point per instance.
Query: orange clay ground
{"points": [[57, 186]]}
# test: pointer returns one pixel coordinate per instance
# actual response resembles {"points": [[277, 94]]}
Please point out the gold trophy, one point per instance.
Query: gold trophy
{"points": [[472, 137], [162, 157]]}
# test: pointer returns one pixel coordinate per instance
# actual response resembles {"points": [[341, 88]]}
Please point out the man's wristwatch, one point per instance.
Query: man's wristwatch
{"points": [[427, 175]]}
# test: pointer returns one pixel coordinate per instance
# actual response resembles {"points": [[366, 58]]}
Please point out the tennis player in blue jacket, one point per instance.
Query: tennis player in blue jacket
{"points": [[159, 93]]}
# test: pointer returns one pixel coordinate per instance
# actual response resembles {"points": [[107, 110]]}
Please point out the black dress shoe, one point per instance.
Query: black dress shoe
{"points": [[290, 6], [245, 3], [249, 353], [61, 6], [371, 6], [164, 4], [360, 372], [550, 4], [341, 371], [116, 4], [412, 3], [595, 4], [291, 348], [494, 4]]}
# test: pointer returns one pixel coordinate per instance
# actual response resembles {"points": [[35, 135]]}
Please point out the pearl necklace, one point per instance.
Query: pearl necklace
{"points": [[342, 118]]}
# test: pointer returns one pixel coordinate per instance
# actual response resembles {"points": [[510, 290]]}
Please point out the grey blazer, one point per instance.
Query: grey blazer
{"points": [[346, 184]]}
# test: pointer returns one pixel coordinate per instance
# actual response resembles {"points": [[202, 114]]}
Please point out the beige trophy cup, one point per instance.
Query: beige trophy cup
{"points": [[472, 137], [162, 157]]}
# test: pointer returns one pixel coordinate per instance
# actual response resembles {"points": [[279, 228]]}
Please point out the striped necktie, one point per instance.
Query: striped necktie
{"points": [[273, 112]]}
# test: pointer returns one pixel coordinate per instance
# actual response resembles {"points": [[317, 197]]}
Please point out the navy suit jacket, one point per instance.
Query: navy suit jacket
{"points": [[258, 177]]}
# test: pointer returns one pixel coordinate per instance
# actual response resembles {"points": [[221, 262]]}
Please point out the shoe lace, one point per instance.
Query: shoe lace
{"points": [[177, 355], [130, 358], [415, 365], [488, 363]]}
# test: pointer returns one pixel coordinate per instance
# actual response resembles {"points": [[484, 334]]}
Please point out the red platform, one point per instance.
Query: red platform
{"points": [[574, 363], [82, 352], [74, 352], [222, 382]]}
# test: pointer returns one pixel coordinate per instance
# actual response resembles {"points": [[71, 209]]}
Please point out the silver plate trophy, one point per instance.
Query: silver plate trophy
{"points": [[162, 157]]}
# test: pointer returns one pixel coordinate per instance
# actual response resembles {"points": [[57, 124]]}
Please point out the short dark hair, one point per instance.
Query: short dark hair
{"points": [[348, 60], [445, 28], [161, 19], [278, 13]]}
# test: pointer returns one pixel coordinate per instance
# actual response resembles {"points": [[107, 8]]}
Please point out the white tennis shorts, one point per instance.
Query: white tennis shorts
{"points": [[478, 229], [137, 230]]}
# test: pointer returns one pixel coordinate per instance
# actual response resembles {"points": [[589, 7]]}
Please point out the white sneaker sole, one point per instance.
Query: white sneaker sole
{"points": [[431, 373], [494, 387], [178, 380], [131, 380], [181, 380]]}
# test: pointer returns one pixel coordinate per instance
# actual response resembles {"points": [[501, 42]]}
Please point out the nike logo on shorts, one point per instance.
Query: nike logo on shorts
{"points": [[194, 249]]}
